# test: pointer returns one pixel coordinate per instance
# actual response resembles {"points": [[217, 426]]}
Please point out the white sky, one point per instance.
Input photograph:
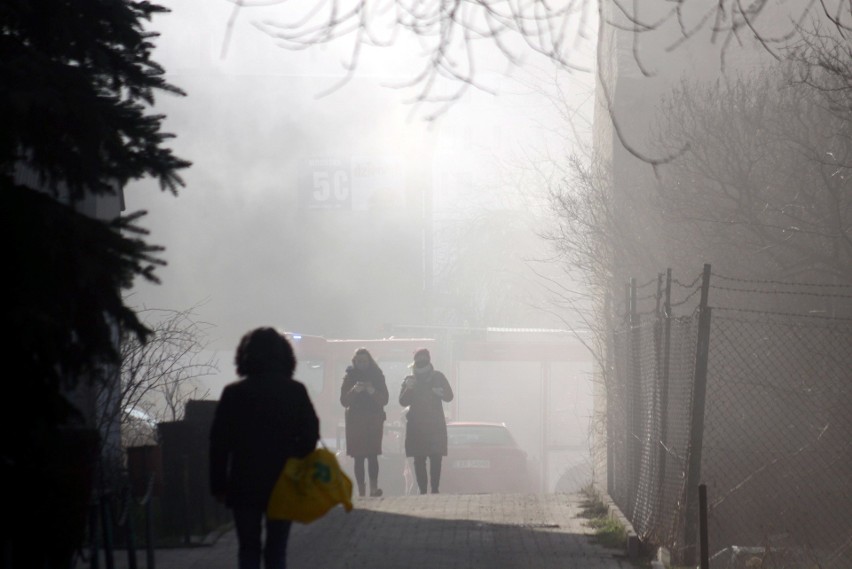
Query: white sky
{"points": [[251, 120]]}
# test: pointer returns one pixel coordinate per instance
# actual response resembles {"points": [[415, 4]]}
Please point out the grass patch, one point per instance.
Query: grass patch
{"points": [[592, 506], [608, 531]]}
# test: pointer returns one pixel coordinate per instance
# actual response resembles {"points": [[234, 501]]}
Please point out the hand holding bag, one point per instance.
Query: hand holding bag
{"points": [[309, 487]]}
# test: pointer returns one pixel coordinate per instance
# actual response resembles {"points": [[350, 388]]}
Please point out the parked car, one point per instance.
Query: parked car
{"points": [[482, 458], [137, 428]]}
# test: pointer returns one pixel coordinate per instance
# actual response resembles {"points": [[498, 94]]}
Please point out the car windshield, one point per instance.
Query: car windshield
{"points": [[478, 435]]}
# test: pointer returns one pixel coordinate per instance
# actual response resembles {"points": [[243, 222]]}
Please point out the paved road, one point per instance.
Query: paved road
{"points": [[430, 531]]}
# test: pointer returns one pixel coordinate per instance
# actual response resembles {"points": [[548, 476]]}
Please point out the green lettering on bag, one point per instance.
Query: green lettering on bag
{"points": [[322, 472]]}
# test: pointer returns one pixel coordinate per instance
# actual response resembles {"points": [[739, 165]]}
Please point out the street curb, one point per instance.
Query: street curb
{"points": [[633, 544]]}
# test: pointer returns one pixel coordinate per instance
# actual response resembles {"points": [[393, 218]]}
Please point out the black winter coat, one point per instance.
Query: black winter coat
{"points": [[365, 414], [425, 425], [259, 423]]}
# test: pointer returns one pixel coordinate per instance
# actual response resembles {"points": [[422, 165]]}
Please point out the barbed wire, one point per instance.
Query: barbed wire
{"points": [[796, 314], [644, 312], [653, 295], [690, 285], [783, 283], [695, 289], [686, 299], [792, 292], [795, 384]]}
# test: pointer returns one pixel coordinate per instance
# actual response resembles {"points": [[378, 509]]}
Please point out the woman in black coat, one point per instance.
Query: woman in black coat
{"points": [[364, 393], [424, 392], [261, 420]]}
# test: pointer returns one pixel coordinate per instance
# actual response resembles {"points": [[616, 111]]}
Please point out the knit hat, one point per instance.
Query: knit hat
{"points": [[422, 354]]}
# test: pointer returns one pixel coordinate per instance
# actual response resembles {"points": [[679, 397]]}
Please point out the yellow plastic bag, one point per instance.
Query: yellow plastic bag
{"points": [[309, 487]]}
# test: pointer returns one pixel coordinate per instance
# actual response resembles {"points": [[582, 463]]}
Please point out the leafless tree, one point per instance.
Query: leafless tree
{"points": [[450, 36], [158, 376], [766, 186], [599, 242], [588, 241], [824, 58]]}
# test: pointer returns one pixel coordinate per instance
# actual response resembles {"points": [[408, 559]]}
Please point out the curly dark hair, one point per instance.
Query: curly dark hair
{"points": [[262, 350]]}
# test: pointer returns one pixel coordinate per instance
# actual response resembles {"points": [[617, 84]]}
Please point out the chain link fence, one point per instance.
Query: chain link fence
{"points": [[777, 456], [767, 428]]}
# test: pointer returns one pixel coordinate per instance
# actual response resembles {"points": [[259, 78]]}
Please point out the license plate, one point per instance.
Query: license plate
{"points": [[472, 464]]}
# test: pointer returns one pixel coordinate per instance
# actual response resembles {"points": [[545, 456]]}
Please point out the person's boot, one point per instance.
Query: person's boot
{"points": [[374, 491], [361, 489]]}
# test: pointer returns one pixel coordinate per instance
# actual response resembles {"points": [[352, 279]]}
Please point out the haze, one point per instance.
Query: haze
{"points": [[243, 247]]}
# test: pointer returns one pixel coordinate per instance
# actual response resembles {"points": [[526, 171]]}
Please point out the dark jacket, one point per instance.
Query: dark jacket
{"points": [[425, 426], [259, 423], [365, 414]]}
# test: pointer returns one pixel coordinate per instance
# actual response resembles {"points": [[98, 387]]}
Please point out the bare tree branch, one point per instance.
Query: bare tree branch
{"points": [[770, 175], [158, 376], [450, 34]]}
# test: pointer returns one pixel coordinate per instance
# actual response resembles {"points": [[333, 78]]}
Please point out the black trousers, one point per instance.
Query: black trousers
{"points": [[249, 522], [373, 471], [434, 472]]}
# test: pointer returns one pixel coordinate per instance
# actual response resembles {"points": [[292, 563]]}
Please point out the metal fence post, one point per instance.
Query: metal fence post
{"points": [[664, 387], [149, 526], [129, 528], [609, 379], [106, 528], [702, 522], [634, 398], [94, 533], [693, 475], [187, 518]]}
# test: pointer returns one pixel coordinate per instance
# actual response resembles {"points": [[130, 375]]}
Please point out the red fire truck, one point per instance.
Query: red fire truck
{"points": [[322, 363], [321, 366], [537, 382]]}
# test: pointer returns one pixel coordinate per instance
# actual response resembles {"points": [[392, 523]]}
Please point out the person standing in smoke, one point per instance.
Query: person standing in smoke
{"points": [[424, 392], [364, 393]]}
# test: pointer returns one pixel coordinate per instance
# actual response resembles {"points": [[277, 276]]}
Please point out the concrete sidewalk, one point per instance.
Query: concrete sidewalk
{"points": [[431, 531]]}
